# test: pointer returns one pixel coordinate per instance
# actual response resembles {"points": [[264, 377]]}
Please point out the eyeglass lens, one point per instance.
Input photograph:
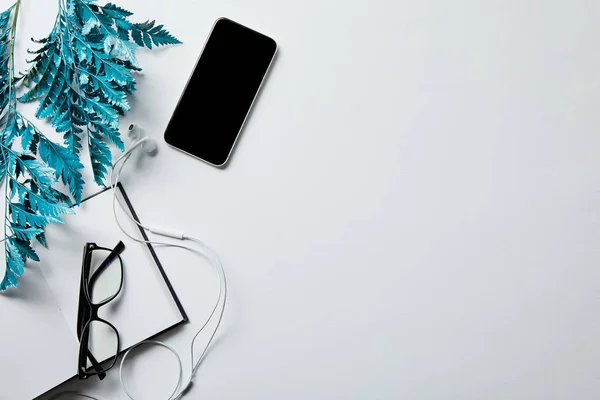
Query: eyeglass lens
{"points": [[106, 275]]}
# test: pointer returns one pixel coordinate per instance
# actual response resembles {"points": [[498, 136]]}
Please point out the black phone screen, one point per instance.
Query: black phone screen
{"points": [[218, 96]]}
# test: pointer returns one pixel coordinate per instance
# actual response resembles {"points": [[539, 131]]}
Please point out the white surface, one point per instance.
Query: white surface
{"points": [[412, 211], [143, 308], [36, 340]]}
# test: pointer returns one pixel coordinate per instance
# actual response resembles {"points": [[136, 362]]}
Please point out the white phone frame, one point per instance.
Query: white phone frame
{"points": [[249, 108]]}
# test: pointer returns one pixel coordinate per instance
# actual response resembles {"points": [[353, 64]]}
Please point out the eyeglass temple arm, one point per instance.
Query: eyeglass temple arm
{"points": [[83, 315], [96, 365], [116, 251]]}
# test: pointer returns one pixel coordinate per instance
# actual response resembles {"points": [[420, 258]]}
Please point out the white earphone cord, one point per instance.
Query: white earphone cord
{"points": [[178, 392]]}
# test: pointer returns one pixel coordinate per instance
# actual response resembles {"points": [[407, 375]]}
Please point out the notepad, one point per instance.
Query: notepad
{"points": [[38, 339]]}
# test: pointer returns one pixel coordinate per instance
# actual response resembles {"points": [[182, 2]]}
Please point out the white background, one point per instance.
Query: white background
{"points": [[412, 212]]}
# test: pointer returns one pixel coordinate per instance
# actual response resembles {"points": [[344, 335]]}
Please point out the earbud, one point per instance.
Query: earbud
{"points": [[149, 145], [133, 132]]}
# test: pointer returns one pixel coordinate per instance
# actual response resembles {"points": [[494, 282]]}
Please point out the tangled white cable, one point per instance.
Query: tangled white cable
{"points": [[218, 309]]}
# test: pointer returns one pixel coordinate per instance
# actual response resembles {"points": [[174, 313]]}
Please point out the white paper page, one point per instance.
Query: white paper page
{"points": [[38, 350], [143, 308]]}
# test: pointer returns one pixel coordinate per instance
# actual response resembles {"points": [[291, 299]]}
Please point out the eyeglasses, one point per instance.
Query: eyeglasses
{"points": [[101, 282]]}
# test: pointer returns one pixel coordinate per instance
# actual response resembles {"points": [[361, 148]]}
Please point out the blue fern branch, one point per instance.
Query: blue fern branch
{"points": [[81, 76], [84, 71], [32, 202]]}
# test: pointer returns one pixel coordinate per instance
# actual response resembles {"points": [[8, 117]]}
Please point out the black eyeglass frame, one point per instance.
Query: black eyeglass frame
{"points": [[83, 372]]}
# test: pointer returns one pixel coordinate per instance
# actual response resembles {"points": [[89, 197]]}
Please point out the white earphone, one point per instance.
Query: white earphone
{"points": [[149, 146], [135, 134]]}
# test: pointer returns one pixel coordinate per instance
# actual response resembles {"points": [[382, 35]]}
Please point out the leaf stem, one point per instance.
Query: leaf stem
{"points": [[13, 29], [11, 95]]}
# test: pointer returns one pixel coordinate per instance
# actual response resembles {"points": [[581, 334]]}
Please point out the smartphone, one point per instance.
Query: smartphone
{"points": [[218, 96]]}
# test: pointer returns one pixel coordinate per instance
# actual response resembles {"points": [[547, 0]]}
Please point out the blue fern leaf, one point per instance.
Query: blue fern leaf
{"points": [[23, 216], [35, 191], [48, 208], [24, 247], [13, 192], [118, 73], [43, 40], [38, 203], [40, 172], [100, 156], [42, 50], [27, 139], [46, 71], [4, 20], [72, 140], [25, 233], [156, 34], [55, 94], [102, 110], [61, 119], [59, 197], [119, 48], [115, 11], [16, 260], [17, 250], [147, 40], [89, 25], [123, 32], [66, 164], [144, 26], [11, 132], [41, 238], [10, 279], [108, 132], [40, 65], [3, 165], [136, 35], [71, 122], [109, 90]]}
